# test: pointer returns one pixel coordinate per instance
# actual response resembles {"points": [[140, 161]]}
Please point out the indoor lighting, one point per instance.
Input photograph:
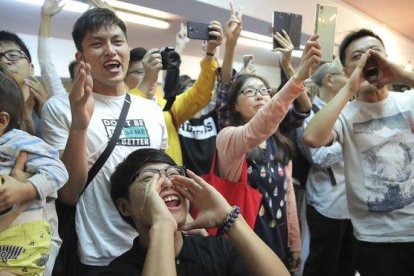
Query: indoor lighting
{"points": [[72, 6], [143, 20], [76, 6], [138, 9], [255, 36], [264, 45]]}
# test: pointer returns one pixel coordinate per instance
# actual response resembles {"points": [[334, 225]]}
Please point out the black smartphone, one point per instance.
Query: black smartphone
{"points": [[196, 30], [291, 23], [325, 24]]}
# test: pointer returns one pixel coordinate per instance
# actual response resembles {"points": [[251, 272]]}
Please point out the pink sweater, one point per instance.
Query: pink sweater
{"points": [[234, 142]]}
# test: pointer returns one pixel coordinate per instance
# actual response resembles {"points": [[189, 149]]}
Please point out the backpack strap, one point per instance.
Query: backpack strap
{"points": [[111, 144]]}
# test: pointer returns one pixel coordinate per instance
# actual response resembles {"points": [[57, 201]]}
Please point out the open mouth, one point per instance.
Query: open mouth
{"points": [[112, 66], [371, 74], [172, 201]]}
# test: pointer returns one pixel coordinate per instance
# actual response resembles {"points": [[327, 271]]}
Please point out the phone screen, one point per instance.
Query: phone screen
{"points": [[291, 23], [325, 24]]}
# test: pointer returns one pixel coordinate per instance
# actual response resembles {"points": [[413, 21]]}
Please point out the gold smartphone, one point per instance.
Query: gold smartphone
{"points": [[325, 25]]}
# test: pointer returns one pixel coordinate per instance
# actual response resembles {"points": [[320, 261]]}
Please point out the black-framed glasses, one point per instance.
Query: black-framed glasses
{"points": [[252, 92], [13, 55], [145, 176]]}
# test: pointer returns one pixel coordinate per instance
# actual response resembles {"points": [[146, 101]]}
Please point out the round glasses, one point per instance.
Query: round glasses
{"points": [[252, 92], [13, 55], [145, 176]]}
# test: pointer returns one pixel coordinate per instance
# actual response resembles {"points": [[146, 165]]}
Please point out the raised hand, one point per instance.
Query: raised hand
{"points": [[152, 63], [181, 39], [233, 27], [100, 4], [52, 7], [249, 69], [212, 206], [286, 49], [217, 32], [389, 72], [311, 57], [81, 99], [357, 80], [151, 208], [38, 92]]}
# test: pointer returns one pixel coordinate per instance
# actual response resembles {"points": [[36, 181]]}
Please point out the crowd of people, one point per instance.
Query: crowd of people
{"points": [[128, 162]]}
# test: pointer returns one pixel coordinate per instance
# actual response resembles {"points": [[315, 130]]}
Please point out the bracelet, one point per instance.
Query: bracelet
{"points": [[210, 54], [229, 220]]}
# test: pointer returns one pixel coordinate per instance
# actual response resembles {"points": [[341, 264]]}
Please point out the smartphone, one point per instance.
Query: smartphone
{"points": [[196, 30], [325, 24], [291, 23], [247, 59]]}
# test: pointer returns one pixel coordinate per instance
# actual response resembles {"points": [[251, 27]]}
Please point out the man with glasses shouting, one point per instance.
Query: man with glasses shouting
{"points": [[152, 195]]}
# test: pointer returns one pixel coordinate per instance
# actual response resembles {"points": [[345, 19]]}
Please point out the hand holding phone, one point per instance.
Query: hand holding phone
{"points": [[290, 23], [247, 59], [196, 30]]}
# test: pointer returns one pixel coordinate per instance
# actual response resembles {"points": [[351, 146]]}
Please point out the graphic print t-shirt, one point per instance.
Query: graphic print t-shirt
{"points": [[198, 142], [97, 220], [378, 146]]}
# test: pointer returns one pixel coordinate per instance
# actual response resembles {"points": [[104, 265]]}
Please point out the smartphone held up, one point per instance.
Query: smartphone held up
{"points": [[291, 23], [325, 25], [196, 30]]}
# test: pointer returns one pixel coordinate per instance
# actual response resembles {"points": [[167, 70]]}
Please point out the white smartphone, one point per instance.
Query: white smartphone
{"points": [[325, 25]]}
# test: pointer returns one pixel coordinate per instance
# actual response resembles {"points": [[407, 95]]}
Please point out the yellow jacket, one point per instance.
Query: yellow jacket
{"points": [[186, 105]]}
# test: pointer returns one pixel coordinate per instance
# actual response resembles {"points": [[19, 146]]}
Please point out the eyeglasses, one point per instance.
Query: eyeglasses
{"points": [[13, 55], [252, 92], [138, 72], [145, 176]]}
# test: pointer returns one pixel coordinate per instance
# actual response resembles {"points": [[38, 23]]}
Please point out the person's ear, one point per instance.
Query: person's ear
{"points": [[79, 56], [329, 80], [4, 121], [31, 69], [237, 107], [124, 207]]}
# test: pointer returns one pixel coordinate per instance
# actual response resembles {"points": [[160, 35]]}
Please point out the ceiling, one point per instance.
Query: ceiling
{"points": [[397, 15], [138, 35]]}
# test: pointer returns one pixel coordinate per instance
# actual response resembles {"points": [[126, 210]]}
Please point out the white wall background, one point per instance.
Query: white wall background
{"points": [[399, 48]]}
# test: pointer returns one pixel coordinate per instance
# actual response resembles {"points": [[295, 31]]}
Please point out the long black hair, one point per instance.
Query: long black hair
{"points": [[284, 146]]}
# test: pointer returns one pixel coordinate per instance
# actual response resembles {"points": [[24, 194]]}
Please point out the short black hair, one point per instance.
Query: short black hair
{"points": [[120, 179], [11, 101], [71, 68], [92, 21], [351, 37], [137, 54], [184, 81], [6, 36]]}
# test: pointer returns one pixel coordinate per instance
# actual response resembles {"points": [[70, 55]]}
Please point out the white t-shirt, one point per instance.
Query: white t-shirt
{"points": [[378, 147], [102, 233]]}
